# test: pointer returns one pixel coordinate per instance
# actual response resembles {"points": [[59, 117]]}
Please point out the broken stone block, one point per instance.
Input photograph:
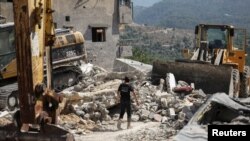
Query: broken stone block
{"points": [[164, 120], [151, 116], [100, 76], [144, 114], [164, 113], [91, 88], [188, 112], [148, 101], [107, 118], [172, 113], [193, 86], [153, 108], [160, 95], [105, 123], [97, 115], [149, 97], [182, 83], [164, 103], [86, 117], [80, 113], [170, 82], [179, 124], [181, 116], [78, 88], [135, 118], [161, 85], [147, 106], [157, 117]]}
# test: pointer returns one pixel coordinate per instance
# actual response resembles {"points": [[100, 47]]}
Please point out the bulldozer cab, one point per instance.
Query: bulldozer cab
{"points": [[214, 36], [221, 44], [7, 46]]}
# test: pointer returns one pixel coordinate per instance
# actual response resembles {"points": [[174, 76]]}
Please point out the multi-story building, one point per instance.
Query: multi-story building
{"points": [[98, 20]]}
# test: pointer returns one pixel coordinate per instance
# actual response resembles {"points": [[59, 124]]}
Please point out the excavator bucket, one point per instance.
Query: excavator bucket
{"points": [[50, 133], [209, 78]]}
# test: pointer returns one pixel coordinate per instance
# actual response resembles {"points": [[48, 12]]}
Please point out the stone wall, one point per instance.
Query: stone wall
{"points": [[6, 10], [83, 15]]}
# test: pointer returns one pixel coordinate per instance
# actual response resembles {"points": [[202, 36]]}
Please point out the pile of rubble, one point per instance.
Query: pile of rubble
{"points": [[91, 99], [87, 104]]}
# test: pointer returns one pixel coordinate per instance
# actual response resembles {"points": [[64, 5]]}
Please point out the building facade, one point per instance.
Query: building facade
{"points": [[98, 20], [6, 10]]}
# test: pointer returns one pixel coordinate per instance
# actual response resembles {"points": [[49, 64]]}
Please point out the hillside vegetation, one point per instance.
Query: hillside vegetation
{"points": [[187, 13], [156, 43]]}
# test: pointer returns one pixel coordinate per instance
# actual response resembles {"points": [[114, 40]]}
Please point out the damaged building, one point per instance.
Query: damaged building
{"points": [[98, 20]]}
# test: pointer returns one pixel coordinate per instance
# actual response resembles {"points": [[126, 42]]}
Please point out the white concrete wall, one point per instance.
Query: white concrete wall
{"points": [[84, 13]]}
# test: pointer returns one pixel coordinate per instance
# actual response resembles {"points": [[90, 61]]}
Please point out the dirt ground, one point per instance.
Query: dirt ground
{"points": [[117, 135]]}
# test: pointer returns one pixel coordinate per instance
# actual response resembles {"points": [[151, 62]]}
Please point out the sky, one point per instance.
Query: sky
{"points": [[145, 3]]}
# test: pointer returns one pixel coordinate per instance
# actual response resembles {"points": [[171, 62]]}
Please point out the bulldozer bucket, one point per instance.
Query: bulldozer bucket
{"points": [[209, 78]]}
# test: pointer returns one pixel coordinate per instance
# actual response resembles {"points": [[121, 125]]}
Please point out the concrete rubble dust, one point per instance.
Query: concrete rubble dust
{"points": [[91, 105]]}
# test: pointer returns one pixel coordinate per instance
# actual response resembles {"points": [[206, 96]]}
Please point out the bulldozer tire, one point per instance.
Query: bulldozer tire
{"points": [[13, 101], [236, 84], [245, 83]]}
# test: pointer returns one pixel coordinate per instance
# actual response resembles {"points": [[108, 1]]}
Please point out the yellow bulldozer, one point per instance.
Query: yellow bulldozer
{"points": [[218, 63]]}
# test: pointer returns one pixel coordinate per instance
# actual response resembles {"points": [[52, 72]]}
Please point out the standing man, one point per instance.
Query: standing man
{"points": [[125, 102]]}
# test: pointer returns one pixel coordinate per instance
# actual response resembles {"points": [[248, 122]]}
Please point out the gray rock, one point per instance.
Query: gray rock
{"points": [[144, 114], [188, 112], [80, 113], [86, 116], [164, 120], [164, 113], [135, 118], [151, 116], [164, 103], [107, 118], [157, 117], [181, 116], [105, 123], [97, 115], [171, 113], [162, 82], [78, 88], [182, 83]]}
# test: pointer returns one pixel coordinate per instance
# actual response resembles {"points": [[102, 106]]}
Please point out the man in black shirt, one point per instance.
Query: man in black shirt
{"points": [[125, 102]]}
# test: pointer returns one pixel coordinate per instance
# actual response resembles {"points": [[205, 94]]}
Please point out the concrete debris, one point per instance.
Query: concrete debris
{"points": [[170, 82], [75, 124], [171, 113], [157, 117], [5, 121], [126, 65], [144, 114], [232, 112], [161, 86], [135, 118], [89, 103], [164, 119]]}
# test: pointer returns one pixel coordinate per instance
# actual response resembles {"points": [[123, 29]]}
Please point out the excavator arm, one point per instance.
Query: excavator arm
{"points": [[34, 33]]}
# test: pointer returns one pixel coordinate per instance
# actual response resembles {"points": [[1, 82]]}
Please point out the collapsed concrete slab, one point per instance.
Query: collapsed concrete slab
{"points": [[218, 109], [124, 65]]}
